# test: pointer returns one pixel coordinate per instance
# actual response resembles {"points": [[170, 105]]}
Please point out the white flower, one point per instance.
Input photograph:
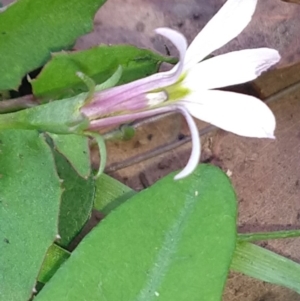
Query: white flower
{"points": [[189, 86]]}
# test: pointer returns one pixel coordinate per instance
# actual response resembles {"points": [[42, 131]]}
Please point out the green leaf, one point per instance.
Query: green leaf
{"points": [[174, 241], [110, 193], [58, 78], [54, 258], [77, 200], [32, 29], [265, 265], [29, 207], [76, 150]]}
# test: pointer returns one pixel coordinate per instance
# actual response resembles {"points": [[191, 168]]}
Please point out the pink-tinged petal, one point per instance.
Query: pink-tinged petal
{"points": [[155, 81], [240, 114], [99, 110], [231, 68], [196, 146], [119, 119], [227, 24], [138, 103]]}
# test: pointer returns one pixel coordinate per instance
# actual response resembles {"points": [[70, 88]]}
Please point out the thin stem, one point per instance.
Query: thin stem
{"points": [[147, 155], [285, 91], [154, 152], [268, 235], [16, 104]]}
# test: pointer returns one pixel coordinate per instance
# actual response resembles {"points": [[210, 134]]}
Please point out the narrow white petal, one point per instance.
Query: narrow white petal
{"points": [[196, 146], [240, 114], [231, 68], [180, 43], [228, 23]]}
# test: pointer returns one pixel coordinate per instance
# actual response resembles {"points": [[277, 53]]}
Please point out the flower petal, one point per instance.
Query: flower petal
{"points": [[240, 114], [104, 122], [155, 81], [228, 23], [196, 146], [180, 42], [231, 68]]}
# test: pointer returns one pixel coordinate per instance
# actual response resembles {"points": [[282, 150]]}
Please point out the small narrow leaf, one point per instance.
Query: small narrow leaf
{"points": [[268, 235], [77, 200], [30, 196], [58, 79], [76, 150], [32, 29], [265, 265], [110, 193], [99, 139], [173, 241]]}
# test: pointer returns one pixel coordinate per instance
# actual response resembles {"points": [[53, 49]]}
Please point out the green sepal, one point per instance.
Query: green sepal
{"points": [[59, 117]]}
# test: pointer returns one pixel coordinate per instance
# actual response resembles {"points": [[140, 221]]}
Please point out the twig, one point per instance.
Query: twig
{"points": [[17, 104], [156, 151], [285, 91]]}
